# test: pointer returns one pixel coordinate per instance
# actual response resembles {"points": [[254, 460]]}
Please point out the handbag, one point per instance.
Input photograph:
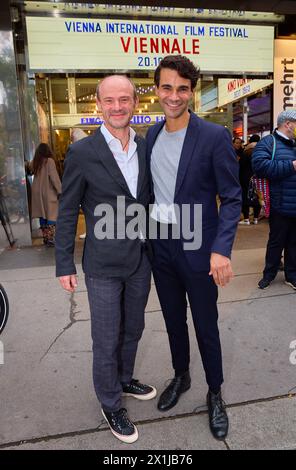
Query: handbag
{"points": [[262, 186], [252, 195]]}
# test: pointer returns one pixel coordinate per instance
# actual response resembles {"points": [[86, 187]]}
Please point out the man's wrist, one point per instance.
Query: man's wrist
{"points": [[219, 254]]}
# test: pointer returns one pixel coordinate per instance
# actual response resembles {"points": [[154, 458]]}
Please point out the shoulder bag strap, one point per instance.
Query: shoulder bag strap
{"points": [[273, 148]]}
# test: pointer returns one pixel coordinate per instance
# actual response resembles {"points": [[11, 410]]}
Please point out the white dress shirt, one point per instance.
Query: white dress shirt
{"points": [[127, 161]]}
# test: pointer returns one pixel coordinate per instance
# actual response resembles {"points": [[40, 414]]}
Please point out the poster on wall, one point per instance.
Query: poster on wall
{"points": [[284, 76], [71, 44]]}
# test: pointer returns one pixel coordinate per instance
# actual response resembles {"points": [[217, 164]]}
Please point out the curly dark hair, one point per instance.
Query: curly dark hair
{"points": [[180, 63]]}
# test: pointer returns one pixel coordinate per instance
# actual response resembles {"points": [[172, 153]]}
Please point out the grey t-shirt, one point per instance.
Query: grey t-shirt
{"points": [[165, 160]]}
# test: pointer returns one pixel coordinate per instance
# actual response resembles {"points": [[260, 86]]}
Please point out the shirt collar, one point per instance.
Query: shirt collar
{"points": [[109, 137], [282, 135]]}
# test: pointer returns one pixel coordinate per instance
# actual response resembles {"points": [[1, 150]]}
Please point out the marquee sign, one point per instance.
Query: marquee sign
{"points": [[72, 44]]}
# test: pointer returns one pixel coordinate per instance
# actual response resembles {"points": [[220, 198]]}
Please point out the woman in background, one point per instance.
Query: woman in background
{"points": [[238, 146], [46, 188], [245, 175]]}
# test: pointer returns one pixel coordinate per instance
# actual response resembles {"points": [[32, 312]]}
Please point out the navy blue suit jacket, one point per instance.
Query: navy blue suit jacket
{"points": [[208, 167]]}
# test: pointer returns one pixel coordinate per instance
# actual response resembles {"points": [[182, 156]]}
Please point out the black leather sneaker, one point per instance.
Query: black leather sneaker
{"points": [[170, 396], [218, 418], [137, 390], [121, 426]]}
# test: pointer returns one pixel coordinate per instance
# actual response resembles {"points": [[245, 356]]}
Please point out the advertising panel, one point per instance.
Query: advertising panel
{"points": [[284, 76]]}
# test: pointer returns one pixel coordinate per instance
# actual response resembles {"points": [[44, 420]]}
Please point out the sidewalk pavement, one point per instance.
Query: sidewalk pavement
{"points": [[47, 396]]}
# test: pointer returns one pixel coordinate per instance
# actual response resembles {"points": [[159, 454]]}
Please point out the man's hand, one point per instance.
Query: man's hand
{"points": [[221, 269], [294, 164], [69, 283]]}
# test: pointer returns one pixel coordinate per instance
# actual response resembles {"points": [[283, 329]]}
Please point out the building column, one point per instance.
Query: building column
{"points": [[14, 201], [245, 120]]}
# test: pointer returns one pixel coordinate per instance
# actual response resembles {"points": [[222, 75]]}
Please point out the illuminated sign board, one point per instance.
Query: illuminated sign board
{"points": [[72, 44], [237, 88], [138, 119], [96, 120]]}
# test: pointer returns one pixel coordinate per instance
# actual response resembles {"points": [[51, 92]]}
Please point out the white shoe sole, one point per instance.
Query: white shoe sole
{"points": [[290, 284], [127, 439], [264, 288], [147, 396]]}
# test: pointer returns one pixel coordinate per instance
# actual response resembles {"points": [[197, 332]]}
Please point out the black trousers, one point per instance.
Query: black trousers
{"points": [[246, 204], [246, 210], [282, 236], [174, 278]]}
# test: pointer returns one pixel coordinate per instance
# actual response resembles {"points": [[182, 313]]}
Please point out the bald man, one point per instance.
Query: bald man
{"points": [[98, 169]]}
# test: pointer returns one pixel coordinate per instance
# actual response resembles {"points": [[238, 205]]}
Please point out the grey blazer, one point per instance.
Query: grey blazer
{"points": [[92, 177]]}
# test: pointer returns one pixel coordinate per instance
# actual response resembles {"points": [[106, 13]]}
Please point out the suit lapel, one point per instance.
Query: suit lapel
{"points": [[152, 138], [107, 158], [190, 140], [141, 151]]}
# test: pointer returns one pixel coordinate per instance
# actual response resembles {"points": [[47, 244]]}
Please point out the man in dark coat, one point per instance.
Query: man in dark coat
{"points": [[281, 173], [106, 174], [192, 161]]}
